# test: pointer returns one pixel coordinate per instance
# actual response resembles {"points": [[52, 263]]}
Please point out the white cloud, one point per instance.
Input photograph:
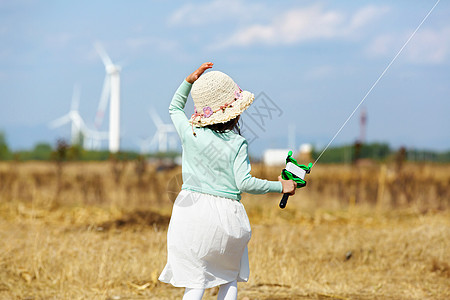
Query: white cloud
{"points": [[137, 44], [381, 45], [427, 46], [214, 11], [430, 46], [366, 15], [302, 24]]}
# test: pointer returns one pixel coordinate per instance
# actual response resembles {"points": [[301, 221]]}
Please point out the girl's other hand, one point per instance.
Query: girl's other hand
{"points": [[289, 186], [196, 74]]}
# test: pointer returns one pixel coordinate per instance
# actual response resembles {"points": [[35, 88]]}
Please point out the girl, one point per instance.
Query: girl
{"points": [[209, 228]]}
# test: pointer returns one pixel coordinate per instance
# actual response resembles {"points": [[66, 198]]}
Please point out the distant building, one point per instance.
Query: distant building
{"points": [[275, 157], [305, 153]]}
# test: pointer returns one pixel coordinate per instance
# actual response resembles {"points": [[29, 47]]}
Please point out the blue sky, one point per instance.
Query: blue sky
{"points": [[315, 60]]}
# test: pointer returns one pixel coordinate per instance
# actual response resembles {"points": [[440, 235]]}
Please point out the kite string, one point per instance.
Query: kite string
{"points": [[376, 82]]}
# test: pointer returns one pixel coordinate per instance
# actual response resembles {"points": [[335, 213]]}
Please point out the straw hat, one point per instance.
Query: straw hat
{"points": [[217, 99]]}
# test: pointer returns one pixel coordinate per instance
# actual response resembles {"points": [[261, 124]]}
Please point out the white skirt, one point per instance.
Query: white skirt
{"points": [[206, 241]]}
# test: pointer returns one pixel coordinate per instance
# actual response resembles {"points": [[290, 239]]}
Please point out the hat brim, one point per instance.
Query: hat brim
{"points": [[228, 114]]}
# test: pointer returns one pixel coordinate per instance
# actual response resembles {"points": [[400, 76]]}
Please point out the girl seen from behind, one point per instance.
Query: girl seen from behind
{"points": [[209, 229]]}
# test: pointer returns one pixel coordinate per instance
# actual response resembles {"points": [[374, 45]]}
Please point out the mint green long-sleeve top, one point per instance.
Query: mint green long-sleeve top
{"points": [[214, 163]]}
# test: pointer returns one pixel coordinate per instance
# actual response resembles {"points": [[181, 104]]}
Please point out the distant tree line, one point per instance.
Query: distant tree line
{"points": [[4, 150], [377, 152], [339, 154], [62, 151]]}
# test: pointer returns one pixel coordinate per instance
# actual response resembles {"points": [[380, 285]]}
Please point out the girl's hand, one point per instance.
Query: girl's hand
{"points": [[196, 74], [289, 186]]}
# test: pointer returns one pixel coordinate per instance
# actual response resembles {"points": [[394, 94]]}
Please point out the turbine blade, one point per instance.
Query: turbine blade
{"points": [[154, 139], [155, 117], [103, 55], [75, 97], [103, 102], [78, 121], [168, 128], [60, 121]]}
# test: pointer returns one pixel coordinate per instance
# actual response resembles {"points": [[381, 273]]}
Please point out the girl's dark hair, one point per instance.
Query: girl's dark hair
{"points": [[233, 124]]}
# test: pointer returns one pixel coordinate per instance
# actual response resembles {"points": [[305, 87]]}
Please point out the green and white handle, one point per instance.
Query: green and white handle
{"points": [[294, 171]]}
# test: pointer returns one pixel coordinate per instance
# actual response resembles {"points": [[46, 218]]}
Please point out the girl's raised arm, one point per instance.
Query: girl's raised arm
{"points": [[176, 107], [197, 73]]}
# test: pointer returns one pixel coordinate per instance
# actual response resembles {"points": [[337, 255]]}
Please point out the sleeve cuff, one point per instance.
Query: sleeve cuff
{"points": [[186, 85], [276, 187]]}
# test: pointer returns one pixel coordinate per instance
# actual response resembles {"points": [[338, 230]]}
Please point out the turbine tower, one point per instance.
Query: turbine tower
{"points": [[111, 90]]}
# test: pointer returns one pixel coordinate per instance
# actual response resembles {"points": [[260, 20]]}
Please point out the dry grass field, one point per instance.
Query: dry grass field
{"points": [[98, 231]]}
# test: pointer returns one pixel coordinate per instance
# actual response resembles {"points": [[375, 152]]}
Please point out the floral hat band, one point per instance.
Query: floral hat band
{"points": [[207, 111], [218, 98]]}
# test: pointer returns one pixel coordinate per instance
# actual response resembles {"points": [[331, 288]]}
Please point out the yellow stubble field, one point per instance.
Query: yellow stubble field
{"points": [[98, 231]]}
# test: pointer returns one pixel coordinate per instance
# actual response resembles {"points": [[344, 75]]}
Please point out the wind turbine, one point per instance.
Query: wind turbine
{"points": [[111, 90], [93, 139], [144, 144], [162, 131], [78, 126]]}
